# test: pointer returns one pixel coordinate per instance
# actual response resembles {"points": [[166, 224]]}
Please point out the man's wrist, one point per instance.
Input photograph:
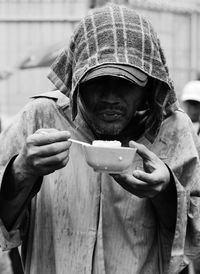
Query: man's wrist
{"points": [[21, 176], [15, 179], [166, 203]]}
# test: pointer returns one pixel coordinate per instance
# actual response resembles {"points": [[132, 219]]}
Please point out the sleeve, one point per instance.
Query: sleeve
{"points": [[19, 207], [12, 238], [27, 121], [182, 148], [172, 241], [170, 207], [9, 240], [186, 244]]}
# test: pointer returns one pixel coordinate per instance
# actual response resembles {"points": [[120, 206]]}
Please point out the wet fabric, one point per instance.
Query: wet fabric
{"points": [[82, 221]]}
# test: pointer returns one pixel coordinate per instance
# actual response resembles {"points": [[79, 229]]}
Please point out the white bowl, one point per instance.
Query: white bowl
{"points": [[110, 159]]}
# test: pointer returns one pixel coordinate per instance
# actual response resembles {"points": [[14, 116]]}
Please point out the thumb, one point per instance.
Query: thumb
{"points": [[142, 150]]}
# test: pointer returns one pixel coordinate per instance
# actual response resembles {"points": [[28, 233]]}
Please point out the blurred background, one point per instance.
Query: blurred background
{"points": [[33, 32]]}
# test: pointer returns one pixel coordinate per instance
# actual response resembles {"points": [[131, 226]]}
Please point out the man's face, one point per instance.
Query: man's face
{"points": [[110, 103], [193, 110]]}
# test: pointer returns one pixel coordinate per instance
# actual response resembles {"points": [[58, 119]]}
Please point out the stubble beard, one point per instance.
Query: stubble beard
{"points": [[109, 129]]}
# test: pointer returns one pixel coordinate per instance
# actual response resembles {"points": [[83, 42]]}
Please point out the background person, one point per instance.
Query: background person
{"points": [[191, 102]]}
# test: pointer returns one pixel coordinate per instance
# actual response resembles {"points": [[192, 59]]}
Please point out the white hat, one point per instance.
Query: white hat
{"points": [[191, 91]]}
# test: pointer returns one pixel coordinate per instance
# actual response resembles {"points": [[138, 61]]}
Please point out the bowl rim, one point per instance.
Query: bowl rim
{"points": [[111, 148]]}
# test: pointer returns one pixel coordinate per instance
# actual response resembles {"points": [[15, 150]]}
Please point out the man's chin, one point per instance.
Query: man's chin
{"points": [[108, 130]]}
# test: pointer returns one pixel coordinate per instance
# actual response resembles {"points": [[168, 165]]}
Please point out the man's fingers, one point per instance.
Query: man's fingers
{"points": [[42, 137], [47, 169], [142, 150], [51, 160], [129, 180], [50, 149], [136, 186], [149, 178]]}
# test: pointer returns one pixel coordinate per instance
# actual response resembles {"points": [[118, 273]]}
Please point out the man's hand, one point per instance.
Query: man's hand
{"points": [[43, 152], [148, 183]]}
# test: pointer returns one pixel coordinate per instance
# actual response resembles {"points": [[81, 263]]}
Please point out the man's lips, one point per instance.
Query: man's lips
{"points": [[110, 115]]}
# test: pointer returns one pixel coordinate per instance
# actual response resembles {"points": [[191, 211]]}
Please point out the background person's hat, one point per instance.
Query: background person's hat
{"points": [[124, 71], [191, 91]]}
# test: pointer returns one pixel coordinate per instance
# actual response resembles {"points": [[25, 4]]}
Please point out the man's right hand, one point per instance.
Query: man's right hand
{"points": [[43, 152]]}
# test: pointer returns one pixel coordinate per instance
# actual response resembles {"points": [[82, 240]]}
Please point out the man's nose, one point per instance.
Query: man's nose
{"points": [[111, 96]]}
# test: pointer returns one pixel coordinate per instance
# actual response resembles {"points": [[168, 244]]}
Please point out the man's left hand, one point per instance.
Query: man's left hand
{"points": [[148, 183]]}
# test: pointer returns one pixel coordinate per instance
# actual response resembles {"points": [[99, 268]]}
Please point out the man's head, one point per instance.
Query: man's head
{"points": [[116, 35], [110, 95], [109, 103], [191, 100]]}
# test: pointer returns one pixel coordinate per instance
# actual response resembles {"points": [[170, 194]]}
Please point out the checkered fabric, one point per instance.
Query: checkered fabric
{"points": [[115, 34]]}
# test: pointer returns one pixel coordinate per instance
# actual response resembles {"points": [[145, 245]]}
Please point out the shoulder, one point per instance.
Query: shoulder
{"points": [[178, 120], [177, 141], [46, 102], [43, 110], [54, 96], [177, 127]]}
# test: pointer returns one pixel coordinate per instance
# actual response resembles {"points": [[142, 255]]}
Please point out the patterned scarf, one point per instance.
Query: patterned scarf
{"points": [[117, 34]]}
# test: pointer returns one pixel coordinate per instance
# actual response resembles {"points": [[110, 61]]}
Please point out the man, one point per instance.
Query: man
{"points": [[72, 219], [191, 102]]}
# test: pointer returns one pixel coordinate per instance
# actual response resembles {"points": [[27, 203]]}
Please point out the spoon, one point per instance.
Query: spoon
{"points": [[78, 142]]}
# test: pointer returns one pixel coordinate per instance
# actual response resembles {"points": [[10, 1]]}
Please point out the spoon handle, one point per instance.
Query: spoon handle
{"points": [[78, 142]]}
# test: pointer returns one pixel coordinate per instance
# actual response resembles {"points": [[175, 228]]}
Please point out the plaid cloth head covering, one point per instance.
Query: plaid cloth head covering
{"points": [[116, 34]]}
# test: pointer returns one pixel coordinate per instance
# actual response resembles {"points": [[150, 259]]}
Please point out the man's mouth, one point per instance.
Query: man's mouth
{"points": [[110, 116]]}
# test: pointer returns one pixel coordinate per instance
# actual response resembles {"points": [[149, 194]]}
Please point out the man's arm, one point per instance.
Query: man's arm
{"points": [[16, 192], [43, 152], [155, 182], [165, 204]]}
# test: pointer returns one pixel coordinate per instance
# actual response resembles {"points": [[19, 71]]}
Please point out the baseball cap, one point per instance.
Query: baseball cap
{"points": [[129, 73], [191, 91]]}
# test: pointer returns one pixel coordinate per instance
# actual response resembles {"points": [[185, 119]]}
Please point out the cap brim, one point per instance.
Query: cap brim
{"points": [[124, 71]]}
